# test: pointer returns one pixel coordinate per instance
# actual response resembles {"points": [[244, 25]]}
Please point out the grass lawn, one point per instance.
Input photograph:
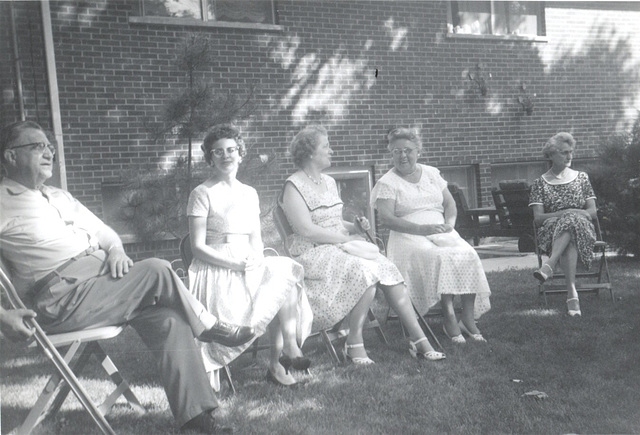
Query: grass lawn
{"points": [[588, 367]]}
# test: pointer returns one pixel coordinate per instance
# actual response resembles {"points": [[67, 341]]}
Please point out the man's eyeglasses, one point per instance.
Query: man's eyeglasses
{"points": [[219, 152], [398, 151], [38, 146]]}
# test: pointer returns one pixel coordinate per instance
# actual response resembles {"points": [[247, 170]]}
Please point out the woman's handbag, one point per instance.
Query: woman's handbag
{"points": [[361, 248], [445, 240]]}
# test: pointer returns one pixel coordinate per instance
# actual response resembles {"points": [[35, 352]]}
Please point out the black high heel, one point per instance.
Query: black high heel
{"points": [[300, 363]]}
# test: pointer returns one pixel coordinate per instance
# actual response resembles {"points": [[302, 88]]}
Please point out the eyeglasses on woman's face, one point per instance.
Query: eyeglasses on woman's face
{"points": [[37, 146], [220, 152], [400, 151], [565, 153]]}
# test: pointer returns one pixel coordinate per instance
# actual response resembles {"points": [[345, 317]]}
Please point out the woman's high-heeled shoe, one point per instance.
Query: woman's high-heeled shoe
{"points": [[271, 378], [300, 363], [358, 360], [457, 339], [474, 337], [430, 355], [573, 307], [544, 273]]}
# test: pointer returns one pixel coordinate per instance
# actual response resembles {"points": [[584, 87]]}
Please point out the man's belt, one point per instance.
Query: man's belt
{"points": [[45, 281]]}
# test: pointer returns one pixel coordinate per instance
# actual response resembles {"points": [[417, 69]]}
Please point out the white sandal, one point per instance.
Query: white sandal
{"points": [[457, 339], [430, 355], [358, 360], [575, 312], [474, 337]]}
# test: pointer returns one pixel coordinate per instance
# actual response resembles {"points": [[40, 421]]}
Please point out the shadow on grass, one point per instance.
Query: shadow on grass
{"points": [[587, 367]]}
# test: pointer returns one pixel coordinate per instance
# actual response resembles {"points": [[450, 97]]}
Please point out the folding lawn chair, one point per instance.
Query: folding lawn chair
{"points": [[329, 335], [601, 275], [65, 378]]}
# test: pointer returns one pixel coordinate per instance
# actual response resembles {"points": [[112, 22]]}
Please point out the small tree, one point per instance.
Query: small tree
{"points": [[191, 111], [155, 200], [616, 181]]}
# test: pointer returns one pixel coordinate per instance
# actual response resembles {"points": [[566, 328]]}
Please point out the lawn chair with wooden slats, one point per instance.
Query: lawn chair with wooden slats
{"points": [[473, 223], [67, 369], [515, 215], [332, 334], [601, 275]]}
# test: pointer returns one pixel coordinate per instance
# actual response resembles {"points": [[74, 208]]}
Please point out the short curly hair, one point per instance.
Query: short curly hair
{"points": [[306, 142], [222, 131], [404, 133], [554, 143]]}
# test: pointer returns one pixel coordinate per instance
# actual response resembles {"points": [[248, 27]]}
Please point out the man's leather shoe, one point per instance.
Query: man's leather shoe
{"points": [[227, 335], [205, 423]]}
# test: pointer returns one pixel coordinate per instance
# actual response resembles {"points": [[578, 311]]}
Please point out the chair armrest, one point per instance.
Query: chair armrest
{"points": [[477, 213], [483, 211]]}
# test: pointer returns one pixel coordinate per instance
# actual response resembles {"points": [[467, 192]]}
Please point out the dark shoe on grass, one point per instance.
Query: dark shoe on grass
{"points": [[205, 423], [227, 334]]}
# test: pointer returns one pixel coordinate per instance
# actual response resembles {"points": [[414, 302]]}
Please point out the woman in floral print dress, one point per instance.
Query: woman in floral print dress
{"points": [[338, 282], [564, 206]]}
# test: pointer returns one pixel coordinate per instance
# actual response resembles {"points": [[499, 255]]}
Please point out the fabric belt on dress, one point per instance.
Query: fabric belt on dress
{"points": [[46, 281], [227, 238]]}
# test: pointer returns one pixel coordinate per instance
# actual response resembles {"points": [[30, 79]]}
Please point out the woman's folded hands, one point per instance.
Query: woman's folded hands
{"points": [[429, 229]]}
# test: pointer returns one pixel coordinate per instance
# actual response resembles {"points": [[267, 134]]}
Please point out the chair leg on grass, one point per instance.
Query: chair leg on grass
{"points": [[332, 350], [427, 329], [373, 322]]}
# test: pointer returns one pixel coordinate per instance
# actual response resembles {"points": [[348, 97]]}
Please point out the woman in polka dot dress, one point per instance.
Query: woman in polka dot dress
{"points": [[339, 283]]}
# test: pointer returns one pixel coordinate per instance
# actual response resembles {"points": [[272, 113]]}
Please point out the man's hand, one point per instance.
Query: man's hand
{"points": [[118, 263], [13, 326]]}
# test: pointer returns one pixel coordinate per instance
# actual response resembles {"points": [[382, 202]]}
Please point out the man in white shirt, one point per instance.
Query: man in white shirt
{"points": [[72, 270]]}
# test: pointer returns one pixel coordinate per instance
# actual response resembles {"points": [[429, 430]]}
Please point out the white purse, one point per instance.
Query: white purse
{"points": [[445, 240], [360, 248]]}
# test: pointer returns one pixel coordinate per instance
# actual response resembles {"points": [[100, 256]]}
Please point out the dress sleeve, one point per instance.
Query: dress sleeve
{"points": [[535, 197], [255, 201], [382, 190], [437, 179], [587, 190], [198, 205]]}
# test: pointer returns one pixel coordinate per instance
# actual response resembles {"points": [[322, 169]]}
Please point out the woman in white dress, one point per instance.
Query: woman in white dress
{"points": [[414, 203], [229, 273], [339, 283]]}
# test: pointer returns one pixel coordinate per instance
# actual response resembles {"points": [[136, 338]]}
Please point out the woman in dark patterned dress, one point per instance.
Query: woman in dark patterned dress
{"points": [[564, 205]]}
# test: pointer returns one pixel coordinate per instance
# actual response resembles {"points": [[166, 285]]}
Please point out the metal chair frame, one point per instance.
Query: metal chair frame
{"points": [[329, 335], [603, 279], [65, 378]]}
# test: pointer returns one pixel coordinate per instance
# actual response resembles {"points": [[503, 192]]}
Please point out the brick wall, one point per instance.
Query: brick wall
{"points": [[321, 67]]}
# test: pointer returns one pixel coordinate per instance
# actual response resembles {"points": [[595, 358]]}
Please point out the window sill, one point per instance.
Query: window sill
{"points": [[515, 38], [191, 22]]}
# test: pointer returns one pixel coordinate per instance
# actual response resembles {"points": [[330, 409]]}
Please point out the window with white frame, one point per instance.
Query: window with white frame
{"points": [[503, 18], [234, 11], [464, 177]]}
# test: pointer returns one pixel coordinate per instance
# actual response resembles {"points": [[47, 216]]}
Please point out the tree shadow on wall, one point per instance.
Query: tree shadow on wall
{"points": [[587, 90]]}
